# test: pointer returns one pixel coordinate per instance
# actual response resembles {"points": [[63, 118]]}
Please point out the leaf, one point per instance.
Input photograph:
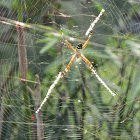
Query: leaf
{"points": [[114, 57], [99, 7], [48, 45], [95, 53], [135, 47], [47, 28], [46, 39], [69, 32], [7, 3], [58, 61], [135, 90]]}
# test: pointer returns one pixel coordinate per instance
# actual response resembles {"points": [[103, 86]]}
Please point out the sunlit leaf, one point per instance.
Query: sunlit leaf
{"points": [[114, 57], [135, 47], [135, 90], [48, 45]]}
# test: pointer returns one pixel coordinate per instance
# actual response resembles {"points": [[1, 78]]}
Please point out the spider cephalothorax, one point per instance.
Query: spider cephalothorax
{"points": [[79, 46], [77, 54]]}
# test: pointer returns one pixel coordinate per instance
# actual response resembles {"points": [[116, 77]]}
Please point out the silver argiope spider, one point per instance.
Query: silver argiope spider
{"points": [[77, 54]]}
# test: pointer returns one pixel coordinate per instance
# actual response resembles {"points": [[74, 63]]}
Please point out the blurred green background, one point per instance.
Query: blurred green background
{"points": [[79, 106]]}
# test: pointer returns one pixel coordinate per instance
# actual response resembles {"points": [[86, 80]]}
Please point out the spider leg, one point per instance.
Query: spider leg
{"points": [[97, 76], [68, 67], [86, 43], [88, 62], [67, 43]]}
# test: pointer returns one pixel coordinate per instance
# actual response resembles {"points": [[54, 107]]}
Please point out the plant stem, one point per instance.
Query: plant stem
{"points": [[23, 65], [40, 132]]}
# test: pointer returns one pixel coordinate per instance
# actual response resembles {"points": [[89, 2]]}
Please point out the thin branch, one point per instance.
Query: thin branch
{"points": [[31, 91], [40, 132], [22, 53], [49, 91], [23, 71]]}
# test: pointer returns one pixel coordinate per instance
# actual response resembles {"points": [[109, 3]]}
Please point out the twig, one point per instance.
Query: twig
{"points": [[49, 91], [23, 71], [40, 132], [22, 53], [31, 90]]}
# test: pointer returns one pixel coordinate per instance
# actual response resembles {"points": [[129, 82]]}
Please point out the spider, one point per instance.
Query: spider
{"points": [[77, 54]]}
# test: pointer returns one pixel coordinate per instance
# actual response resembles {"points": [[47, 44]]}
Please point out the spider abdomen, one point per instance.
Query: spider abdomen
{"points": [[78, 53]]}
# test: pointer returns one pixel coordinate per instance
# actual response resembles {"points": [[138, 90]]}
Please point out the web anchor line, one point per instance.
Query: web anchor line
{"points": [[49, 91]]}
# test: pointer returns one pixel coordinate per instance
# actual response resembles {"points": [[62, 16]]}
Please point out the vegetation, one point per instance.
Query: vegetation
{"points": [[79, 106]]}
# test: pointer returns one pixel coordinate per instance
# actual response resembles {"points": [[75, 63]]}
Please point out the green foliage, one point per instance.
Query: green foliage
{"points": [[49, 44], [79, 106]]}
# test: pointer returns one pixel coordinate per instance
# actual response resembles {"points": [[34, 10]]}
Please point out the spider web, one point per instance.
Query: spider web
{"points": [[79, 107]]}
